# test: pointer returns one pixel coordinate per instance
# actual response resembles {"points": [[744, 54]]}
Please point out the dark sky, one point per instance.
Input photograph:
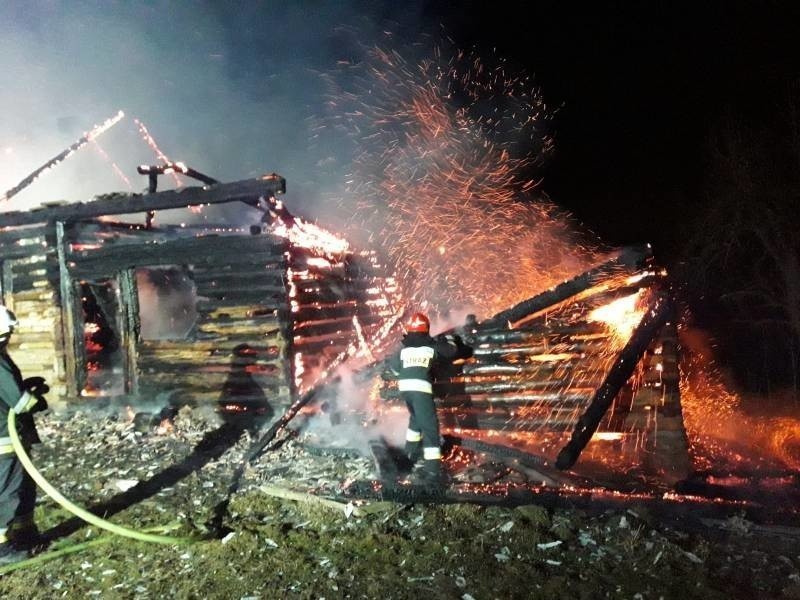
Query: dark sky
{"points": [[230, 87], [640, 83]]}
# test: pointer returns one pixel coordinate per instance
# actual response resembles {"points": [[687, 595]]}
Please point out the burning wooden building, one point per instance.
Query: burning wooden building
{"points": [[253, 316], [111, 306]]}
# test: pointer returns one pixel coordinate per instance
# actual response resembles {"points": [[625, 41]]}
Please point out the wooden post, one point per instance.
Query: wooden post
{"points": [[7, 284], [71, 321], [129, 328], [654, 319]]}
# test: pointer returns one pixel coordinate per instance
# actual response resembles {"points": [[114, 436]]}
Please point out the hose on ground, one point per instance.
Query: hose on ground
{"points": [[71, 549], [76, 510]]}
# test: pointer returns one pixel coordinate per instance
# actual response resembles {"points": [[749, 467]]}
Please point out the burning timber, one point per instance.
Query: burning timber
{"points": [[561, 369]]}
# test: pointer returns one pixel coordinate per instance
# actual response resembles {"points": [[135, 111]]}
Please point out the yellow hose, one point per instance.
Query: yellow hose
{"points": [[73, 508]]}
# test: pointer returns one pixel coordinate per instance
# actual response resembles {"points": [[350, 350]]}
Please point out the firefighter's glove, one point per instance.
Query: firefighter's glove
{"points": [[390, 374], [464, 350], [40, 406], [36, 386]]}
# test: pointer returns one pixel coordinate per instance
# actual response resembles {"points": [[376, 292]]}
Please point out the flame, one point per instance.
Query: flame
{"points": [[721, 433], [311, 236], [608, 436], [621, 316]]}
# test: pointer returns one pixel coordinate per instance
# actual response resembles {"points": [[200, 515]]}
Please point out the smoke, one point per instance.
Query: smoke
{"points": [[352, 414], [167, 301], [228, 91]]}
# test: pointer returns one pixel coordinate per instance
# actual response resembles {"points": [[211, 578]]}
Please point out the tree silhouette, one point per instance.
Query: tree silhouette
{"points": [[744, 252]]}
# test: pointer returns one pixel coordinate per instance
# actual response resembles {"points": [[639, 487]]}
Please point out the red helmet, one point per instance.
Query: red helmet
{"points": [[418, 323]]}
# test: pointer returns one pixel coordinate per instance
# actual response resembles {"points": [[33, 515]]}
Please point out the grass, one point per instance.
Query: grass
{"points": [[282, 549]]}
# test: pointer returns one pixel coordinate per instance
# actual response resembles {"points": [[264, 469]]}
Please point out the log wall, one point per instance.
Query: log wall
{"points": [[332, 295], [243, 331], [30, 283]]}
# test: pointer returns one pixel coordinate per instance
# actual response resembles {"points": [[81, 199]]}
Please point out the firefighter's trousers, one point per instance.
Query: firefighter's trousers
{"points": [[423, 418], [17, 493]]}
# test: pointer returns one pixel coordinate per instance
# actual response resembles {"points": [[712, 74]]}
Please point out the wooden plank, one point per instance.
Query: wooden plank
{"points": [[247, 191], [264, 368], [130, 327], [36, 296], [254, 290], [228, 245], [153, 257], [9, 237], [210, 381], [221, 346], [71, 319], [202, 359], [211, 312], [232, 328], [271, 274], [224, 305]]}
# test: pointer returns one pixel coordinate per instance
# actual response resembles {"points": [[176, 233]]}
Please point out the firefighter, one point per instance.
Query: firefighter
{"points": [[414, 366], [17, 489]]}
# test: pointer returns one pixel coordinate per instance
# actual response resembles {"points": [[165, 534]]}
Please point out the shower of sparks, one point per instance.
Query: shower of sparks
{"points": [[93, 134], [154, 147], [445, 149]]}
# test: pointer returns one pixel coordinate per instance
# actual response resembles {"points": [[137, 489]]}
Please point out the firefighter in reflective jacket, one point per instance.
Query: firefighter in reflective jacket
{"points": [[414, 366], [17, 489]]}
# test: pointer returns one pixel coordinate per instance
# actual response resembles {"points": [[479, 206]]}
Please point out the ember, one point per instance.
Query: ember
{"points": [[433, 173]]}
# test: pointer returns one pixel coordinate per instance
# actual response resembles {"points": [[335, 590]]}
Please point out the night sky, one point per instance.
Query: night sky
{"points": [[640, 85], [231, 88]]}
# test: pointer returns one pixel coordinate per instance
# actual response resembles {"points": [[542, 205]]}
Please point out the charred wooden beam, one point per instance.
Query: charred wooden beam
{"points": [[202, 251], [493, 387], [248, 191], [499, 423], [171, 167], [72, 321], [82, 141], [576, 331], [658, 313], [627, 258], [130, 327]]}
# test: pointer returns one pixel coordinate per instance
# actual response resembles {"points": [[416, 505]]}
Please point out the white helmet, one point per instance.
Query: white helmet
{"points": [[8, 321]]}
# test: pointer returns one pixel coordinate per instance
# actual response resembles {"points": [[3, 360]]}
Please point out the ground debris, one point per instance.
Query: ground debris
{"points": [[284, 533]]}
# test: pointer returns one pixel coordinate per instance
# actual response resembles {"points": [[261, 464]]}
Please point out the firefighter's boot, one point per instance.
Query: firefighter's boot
{"points": [[413, 451], [10, 555], [431, 473], [24, 534]]}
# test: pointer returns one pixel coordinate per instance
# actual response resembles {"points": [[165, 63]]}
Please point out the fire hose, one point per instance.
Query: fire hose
{"points": [[76, 510]]}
